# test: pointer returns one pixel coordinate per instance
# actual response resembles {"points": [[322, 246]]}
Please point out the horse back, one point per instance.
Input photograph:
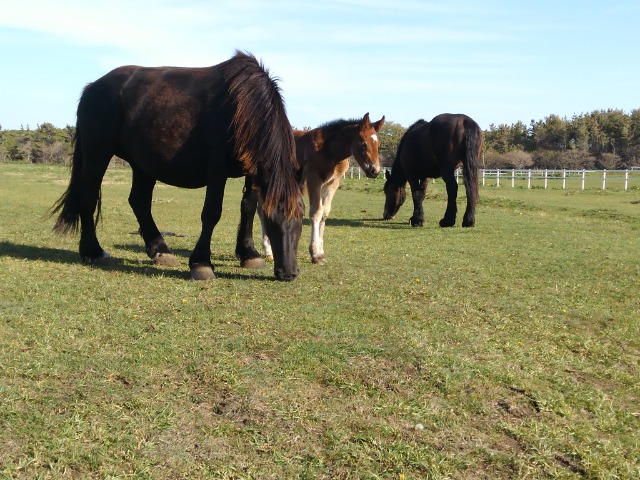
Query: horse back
{"points": [[440, 145], [156, 118]]}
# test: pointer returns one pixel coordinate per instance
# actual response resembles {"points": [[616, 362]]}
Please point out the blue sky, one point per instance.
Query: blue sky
{"points": [[497, 61]]}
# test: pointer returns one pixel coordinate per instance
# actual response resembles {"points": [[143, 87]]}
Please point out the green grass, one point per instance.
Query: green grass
{"points": [[511, 350]]}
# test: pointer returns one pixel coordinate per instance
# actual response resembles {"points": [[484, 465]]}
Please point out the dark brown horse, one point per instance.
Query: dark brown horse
{"points": [[191, 128], [431, 150], [323, 153]]}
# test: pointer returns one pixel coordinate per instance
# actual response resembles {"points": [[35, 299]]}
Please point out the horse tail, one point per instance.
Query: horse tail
{"points": [[68, 205], [473, 146], [264, 141]]}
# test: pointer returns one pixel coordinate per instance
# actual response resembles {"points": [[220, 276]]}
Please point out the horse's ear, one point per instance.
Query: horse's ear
{"points": [[378, 125], [387, 174], [365, 120]]}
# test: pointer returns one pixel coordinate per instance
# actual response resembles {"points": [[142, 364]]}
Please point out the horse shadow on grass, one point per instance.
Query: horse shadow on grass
{"points": [[365, 223], [143, 267]]}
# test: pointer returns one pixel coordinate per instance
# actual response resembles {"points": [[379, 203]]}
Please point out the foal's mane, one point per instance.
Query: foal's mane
{"points": [[264, 141], [336, 125]]}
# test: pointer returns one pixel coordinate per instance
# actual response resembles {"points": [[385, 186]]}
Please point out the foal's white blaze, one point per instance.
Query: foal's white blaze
{"points": [[375, 137]]}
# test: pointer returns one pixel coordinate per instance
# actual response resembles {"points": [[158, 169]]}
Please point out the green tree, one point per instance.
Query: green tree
{"points": [[390, 135], [615, 126], [552, 133]]}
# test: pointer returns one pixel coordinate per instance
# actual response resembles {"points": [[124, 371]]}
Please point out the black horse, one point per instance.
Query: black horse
{"points": [[431, 150], [191, 128]]}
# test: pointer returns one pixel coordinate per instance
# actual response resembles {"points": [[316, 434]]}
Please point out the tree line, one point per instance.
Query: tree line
{"points": [[602, 139]]}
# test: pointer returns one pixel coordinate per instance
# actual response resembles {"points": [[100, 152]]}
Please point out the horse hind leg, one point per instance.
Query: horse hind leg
{"points": [[449, 219], [469, 218], [140, 199], [90, 207]]}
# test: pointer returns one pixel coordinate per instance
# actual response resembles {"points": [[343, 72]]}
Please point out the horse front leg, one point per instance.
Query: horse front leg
{"points": [[140, 202], [245, 248], [449, 219], [200, 259], [328, 191], [266, 243], [316, 212], [418, 192]]}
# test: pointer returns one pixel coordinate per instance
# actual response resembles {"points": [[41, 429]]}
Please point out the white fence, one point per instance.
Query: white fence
{"points": [[622, 179]]}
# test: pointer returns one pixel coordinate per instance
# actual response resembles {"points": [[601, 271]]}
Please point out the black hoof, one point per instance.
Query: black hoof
{"points": [[447, 223]]}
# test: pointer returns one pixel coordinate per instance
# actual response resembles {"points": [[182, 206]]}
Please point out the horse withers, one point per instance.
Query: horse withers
{"points": [[323, 154], [431, 150], [191, 128]]}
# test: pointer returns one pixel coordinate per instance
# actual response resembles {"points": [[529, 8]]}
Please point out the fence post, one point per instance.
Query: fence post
{"points": [[626, 179], [513, 178], [564, 178], [483, 177], [529, 179], [545, 178], [498, 177], [584, 174], [604, 179]]}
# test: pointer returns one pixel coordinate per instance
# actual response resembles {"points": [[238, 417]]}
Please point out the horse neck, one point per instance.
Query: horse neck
{"points": [[398, 176]]}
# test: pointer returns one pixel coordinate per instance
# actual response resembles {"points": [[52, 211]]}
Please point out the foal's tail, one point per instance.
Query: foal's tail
{"points": [[473, 144], [68, 205]]}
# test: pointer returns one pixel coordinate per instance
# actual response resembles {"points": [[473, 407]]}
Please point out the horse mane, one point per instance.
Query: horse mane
{"points": [[264, 141]]}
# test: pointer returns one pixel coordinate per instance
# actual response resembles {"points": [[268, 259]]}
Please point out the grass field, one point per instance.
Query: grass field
{"points": [[510, 350]]}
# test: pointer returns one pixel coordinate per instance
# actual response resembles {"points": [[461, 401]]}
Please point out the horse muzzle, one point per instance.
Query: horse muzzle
{"points": [[372, 170], [286, 275]]}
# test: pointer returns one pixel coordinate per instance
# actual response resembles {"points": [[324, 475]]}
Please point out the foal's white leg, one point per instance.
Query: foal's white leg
{"points": [[266, 244], [328, 191], [316, 249]]}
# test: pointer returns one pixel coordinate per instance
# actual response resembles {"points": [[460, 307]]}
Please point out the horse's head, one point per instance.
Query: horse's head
{"points": [[365, 146], [395, 196], [284, 234]]}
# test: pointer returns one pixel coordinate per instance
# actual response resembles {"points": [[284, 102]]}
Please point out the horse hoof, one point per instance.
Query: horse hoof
{"points": [[268, 258], [447, 223], [166, 260], [253, 263], [202, 271], [319, 260], [104, 260]]}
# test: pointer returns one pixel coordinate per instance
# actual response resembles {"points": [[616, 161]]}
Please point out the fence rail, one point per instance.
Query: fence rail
{"points": [[582, 179]]}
